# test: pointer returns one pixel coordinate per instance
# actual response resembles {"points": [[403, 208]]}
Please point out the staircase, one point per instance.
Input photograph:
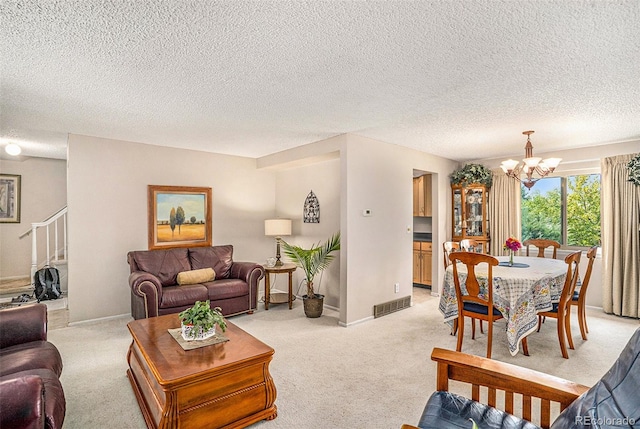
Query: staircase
{"points": [[48, 247]]}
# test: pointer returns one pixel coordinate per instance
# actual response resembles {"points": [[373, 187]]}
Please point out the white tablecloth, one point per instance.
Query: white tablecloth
{"points": [[519, 293]]}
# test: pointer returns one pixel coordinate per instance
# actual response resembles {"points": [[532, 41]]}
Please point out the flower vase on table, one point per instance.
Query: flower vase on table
{"points": [[512, 245]]}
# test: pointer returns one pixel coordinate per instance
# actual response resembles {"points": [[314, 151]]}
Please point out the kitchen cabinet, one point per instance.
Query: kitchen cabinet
{"points": [[422, 255], [470, 214], [422, 196]]}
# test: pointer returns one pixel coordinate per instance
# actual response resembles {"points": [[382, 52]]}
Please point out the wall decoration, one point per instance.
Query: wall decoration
{"points": [[10, 198], [311, 209], [179, 216]]}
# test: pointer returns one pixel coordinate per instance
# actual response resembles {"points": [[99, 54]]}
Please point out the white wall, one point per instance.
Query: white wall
{"points": [[292, 187], [44, 192], [107, 200], [379, 176]]}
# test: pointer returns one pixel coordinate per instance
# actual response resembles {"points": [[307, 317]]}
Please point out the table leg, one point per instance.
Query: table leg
{"points": [[267, 291], [290, 290]]}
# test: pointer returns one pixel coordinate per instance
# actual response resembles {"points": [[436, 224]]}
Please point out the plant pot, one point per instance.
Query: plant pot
{"points": [[188, 335], [313, 306]]}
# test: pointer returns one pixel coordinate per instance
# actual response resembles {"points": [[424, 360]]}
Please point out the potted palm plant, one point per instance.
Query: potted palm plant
{"points": [[312, 261], [199, 322]]}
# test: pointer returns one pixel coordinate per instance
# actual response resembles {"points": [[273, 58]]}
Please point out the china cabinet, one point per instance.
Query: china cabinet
{"points": [[470, 214]]}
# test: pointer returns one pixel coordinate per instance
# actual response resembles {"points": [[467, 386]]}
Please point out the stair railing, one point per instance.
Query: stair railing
{"points": [[46, 224]]}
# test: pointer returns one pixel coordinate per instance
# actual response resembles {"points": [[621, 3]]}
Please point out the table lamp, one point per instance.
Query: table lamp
{"points": [[277, 228]]}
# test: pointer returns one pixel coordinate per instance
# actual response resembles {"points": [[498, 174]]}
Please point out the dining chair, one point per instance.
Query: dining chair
{"points": [[579, 297], [542, 244], [469, 245], [561, 310], [447, 248], [478, 302]]}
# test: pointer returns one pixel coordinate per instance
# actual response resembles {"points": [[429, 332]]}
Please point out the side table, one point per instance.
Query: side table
{"points": [[277, 298]]}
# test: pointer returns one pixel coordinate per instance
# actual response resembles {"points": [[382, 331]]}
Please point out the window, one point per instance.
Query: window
{"points": [[565, 209]]}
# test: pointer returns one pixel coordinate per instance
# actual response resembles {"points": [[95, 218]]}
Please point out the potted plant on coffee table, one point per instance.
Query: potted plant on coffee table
{"points": [[199, 322], [312, 261]]}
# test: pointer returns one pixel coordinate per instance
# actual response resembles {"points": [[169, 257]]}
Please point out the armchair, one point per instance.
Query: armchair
{"points": [[613, 398]]}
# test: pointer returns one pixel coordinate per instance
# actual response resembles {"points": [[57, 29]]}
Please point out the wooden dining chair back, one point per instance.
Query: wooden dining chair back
{"points": [[447, 248], [579, 297], [469, 245], [477, 303], [561, 310], [542, 244]]}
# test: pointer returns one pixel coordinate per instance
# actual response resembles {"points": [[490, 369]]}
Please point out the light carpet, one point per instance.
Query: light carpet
{"points": [[376, 374]]}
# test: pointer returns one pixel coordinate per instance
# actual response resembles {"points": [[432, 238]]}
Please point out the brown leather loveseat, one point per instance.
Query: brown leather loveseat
{"points": [[31, 395], [155, 276]]}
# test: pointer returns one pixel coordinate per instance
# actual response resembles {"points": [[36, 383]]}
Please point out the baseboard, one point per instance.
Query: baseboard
{"points": [[357, 322], [99, 319]]}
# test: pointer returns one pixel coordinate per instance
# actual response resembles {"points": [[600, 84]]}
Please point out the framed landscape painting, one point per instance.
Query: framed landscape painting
{"points": [[179, 216], [9, 198]]}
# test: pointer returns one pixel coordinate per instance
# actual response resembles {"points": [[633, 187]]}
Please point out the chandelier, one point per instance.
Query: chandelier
{"points": [[530, 165]]}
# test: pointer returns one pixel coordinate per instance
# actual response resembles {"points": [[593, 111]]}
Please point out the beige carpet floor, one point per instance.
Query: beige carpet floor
{"points": [[375, 374]]}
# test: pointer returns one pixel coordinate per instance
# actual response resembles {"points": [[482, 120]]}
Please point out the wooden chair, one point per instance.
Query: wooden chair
{"points": [[579, 297], [477, 304], [542, 244], [447, 248], [561, 310], [469, 245]]}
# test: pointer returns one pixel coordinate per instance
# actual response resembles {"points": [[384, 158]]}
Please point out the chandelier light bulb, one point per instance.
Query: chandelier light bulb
{"points": [[13, 149]]}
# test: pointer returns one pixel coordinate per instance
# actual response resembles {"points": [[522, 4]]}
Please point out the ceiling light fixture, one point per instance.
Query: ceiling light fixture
{"points": [[13, 149], [529, 165]]}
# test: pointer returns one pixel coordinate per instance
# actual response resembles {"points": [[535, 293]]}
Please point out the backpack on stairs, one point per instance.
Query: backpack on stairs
{"points": [[47, 284]]}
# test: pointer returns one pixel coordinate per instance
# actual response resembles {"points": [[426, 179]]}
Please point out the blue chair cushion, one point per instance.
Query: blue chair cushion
{"points": [[446, 410], [480, 309], [611, 402], [576, 295]]}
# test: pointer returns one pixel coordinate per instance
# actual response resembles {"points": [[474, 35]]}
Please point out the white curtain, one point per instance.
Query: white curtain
{"points": [[504, 211], [620, 238]]}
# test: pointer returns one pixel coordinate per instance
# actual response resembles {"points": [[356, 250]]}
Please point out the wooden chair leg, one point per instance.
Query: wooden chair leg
{"points": [[525, 347], [582, 321], [460, 333], [473, 328], [454, 328], [539, 323], [481, 331], [567, 328], [489, 339], [561, 337]]}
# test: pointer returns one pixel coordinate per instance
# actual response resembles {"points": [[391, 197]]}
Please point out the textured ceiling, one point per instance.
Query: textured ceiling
{"points": [[459, 79]]}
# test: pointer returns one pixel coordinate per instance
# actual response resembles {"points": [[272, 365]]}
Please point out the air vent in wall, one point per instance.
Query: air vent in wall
{"points": [[391, 306]]}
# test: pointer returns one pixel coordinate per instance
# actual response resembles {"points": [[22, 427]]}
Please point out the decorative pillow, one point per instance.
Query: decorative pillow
{"points": [[196, 276]]}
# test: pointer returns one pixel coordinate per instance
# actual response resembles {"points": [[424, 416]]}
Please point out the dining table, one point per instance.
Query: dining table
{"points": [[520, 291]]}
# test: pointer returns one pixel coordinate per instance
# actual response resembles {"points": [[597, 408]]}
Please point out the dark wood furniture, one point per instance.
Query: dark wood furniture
{"points": [[561, 310], [223, 385], [542, 244], [270, 298]]}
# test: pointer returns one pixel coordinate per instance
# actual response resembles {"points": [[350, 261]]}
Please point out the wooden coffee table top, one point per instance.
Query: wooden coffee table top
{"points": [[171, 364]]}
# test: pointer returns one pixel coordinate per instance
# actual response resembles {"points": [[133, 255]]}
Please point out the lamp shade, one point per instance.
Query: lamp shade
{"points": [[277, 227]]}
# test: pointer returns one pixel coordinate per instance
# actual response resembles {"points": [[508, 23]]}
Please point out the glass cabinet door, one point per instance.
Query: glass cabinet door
{"points": [[457, 212], [474, 210]]}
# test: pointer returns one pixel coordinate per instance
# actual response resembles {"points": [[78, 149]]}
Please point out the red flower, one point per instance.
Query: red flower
{"points": [[512, 244]]}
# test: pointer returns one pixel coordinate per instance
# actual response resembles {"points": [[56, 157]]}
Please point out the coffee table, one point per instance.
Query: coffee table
{"points": [[225, 385]]}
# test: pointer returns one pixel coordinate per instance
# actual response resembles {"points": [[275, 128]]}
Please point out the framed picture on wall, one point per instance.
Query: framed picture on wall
{"points": [[10, 198], [179, 216]]}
